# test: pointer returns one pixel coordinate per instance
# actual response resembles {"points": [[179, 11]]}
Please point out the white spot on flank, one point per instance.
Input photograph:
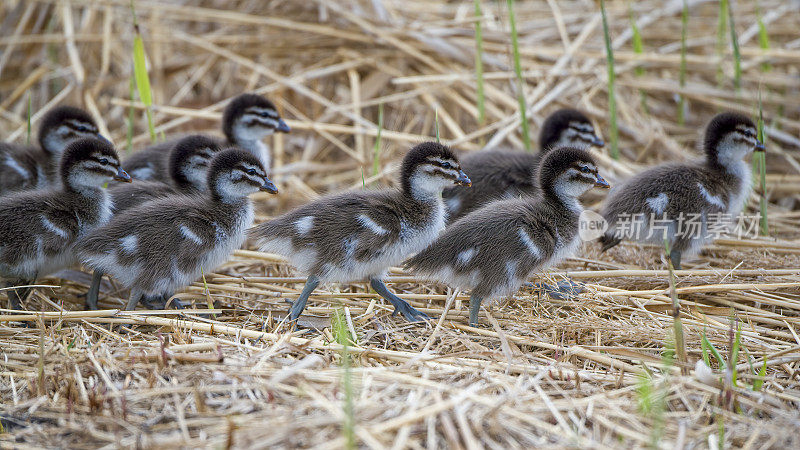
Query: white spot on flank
{"points": [[189, 234], [50, 226], [304, 224], [465, 256], [363, 219], [532, 247], [712, 199], [658, 203], [129, 243], [16, 167]]}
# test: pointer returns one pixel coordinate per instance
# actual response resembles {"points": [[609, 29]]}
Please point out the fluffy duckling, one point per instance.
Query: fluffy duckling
{"points": [[188, 167], [247, 120], [499, 174], [29, 167], [358, 235], [681, 202], [495, 248], [163, 245], [39, 227]]}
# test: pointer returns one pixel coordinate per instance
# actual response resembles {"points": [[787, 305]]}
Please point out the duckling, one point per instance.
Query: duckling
{"points": [[664, 201], [163, 245], [247, 120], [188, 167], [25, 167], [494, 249], [38, 228], [498, 174], [358, 235]]}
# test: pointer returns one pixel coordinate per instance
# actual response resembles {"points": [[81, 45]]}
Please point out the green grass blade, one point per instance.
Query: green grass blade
{"points": [[638, 48], [131, 117], [341, 333], [763, 37], [737, 342], [28, 114], [760, 163], [737, 57], [722, 28], [714, 351], [523, 115], [612, 100], [376, 149], [704, 348], [141, 76], [682, 74], [762, 373], [436, 123], [479, 62]]}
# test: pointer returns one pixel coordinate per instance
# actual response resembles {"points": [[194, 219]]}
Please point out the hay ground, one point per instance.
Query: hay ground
{"points": [[538, 371]]}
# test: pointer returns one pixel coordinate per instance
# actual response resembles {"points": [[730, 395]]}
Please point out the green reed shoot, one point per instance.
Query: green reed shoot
{"points": [[436, 124], [612, 100], [376, 149], [763, 37], [722, 28], [341, 334], [682, 74], [760, 164], [479, 62], [638, 48], [131, 116], [523, 115], [677, 324], [28, 114], [737, 56], [140, 74]]}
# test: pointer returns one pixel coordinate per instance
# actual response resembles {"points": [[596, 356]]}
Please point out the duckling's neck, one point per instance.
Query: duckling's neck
{"points": [[425, 188], [567, 194]]}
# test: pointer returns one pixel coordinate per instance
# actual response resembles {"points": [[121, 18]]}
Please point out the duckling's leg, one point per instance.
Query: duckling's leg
{"points": [[94, 290], [18, 295], [474, 309], [675, 257], [133, 300], [400, 305], [300, 304]]}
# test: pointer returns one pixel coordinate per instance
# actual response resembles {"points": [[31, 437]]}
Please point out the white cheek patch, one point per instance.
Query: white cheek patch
{"points": [[658, 203], [712, 199], [370, 224], [304, 224]]}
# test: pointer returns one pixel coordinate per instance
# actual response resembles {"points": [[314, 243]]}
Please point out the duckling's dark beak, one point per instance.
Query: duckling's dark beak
{"points": [[597, 141], [760, 146], [601, 183], [282, 127], [463, 179], [122, 176], [268, 186]]}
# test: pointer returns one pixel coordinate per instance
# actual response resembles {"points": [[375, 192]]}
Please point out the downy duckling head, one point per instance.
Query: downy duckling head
{"points": [[430, 167], [89, 163], [190, 159], [568, 172], [729, 138], [64, 124], [568, 128], [251, 117], [235, 173]]}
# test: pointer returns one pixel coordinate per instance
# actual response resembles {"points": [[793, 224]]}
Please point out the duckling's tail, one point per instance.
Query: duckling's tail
{"points": [[608, 241]]}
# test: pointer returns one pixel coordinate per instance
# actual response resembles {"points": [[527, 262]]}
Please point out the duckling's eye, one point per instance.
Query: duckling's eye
{"points": [[82, 128], [585, 169], [103, 161], [446, 165], [251, 171]]}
